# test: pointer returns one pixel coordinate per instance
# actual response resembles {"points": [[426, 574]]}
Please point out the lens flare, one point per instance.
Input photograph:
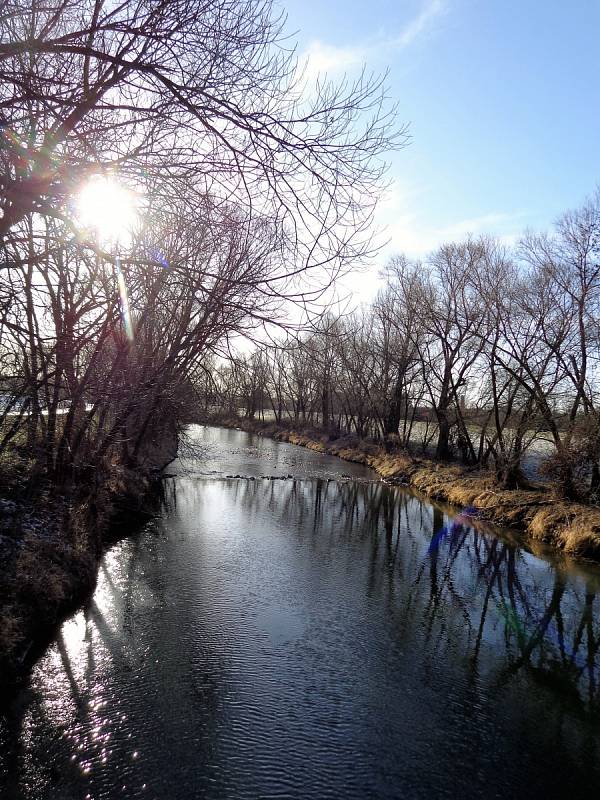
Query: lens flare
{"points": [[124, 301], [455, 525]]}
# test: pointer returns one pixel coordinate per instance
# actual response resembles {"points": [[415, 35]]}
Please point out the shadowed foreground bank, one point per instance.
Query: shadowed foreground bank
{"points": [[571, 527], [51, 550]]}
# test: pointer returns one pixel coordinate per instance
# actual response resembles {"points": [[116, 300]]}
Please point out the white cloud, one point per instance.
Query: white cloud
{"points": [[322, 58], [402, 213], [475, 225], [409, 235]]}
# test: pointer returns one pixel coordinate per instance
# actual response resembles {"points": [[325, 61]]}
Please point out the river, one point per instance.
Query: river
{"points": [[306, 631]]}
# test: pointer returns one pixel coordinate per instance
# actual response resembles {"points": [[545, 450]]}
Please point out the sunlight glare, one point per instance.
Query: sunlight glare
{"points": [[107, 207]]}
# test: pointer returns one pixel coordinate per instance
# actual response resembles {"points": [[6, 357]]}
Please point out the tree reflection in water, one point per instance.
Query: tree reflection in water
{"points": [[540, 620], [397, 643]]}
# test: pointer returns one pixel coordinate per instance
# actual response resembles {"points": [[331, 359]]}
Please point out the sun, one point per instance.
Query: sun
{"points": [[107, 207]]}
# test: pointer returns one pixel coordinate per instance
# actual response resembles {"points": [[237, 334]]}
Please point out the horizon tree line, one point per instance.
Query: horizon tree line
{"points": [[477, 352]]}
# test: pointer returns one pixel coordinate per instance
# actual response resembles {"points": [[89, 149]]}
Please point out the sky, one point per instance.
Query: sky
{"points": [[502, 101]]}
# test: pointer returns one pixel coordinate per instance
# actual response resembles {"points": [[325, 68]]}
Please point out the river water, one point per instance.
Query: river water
{"points": [[305, 631]]}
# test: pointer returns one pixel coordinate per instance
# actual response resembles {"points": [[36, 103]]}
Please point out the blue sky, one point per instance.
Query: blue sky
{"points": [[502, 100]]}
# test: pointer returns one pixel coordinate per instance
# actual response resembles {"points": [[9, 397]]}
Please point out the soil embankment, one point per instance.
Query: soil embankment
{"points": [[50, 551], [571, 527]]}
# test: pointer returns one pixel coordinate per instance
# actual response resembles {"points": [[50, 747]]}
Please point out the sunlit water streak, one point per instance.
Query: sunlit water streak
{"points": [[301, 638]]}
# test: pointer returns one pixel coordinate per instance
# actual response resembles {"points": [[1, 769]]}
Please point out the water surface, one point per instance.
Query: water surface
{"points": [[301, 637]]}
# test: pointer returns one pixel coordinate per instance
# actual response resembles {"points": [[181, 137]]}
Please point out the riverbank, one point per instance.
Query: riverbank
{"points": [[51, 551], [538, 512], [51, 541]]}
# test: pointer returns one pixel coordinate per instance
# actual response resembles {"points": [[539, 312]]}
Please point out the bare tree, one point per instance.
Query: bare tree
{"points": [[453, 315], [398, 317], [195, 97], [495, 352], [567, 266]]}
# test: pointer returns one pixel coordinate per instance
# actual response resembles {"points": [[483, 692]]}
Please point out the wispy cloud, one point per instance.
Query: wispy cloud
{"points": [[417, 26], [412, 233], [320, 57], [408, 234], [476, 225]]}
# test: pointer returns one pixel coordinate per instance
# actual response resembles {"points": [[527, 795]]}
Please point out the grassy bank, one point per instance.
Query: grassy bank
{"points": [[537, 511]]}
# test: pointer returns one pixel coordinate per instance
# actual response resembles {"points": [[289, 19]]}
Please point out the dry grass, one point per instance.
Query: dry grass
{"points": [[574, 528], [12, 629], [46, 580], [571, 527]]}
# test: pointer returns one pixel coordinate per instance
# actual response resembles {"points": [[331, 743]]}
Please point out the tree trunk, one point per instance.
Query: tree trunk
{"points": [[595, 480], [325, 405], [392, 418], [442, 450]]}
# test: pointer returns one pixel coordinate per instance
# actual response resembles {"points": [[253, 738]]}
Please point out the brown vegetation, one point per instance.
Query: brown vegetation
{"points": [[539, 511]]}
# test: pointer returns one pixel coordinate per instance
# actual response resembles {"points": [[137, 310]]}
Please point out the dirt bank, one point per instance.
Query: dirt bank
{"points": [[50, 554], [537, 511]]}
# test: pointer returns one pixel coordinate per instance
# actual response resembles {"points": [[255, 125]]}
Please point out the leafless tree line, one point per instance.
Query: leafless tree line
{"points": [[474, 353], [250, 179]]}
